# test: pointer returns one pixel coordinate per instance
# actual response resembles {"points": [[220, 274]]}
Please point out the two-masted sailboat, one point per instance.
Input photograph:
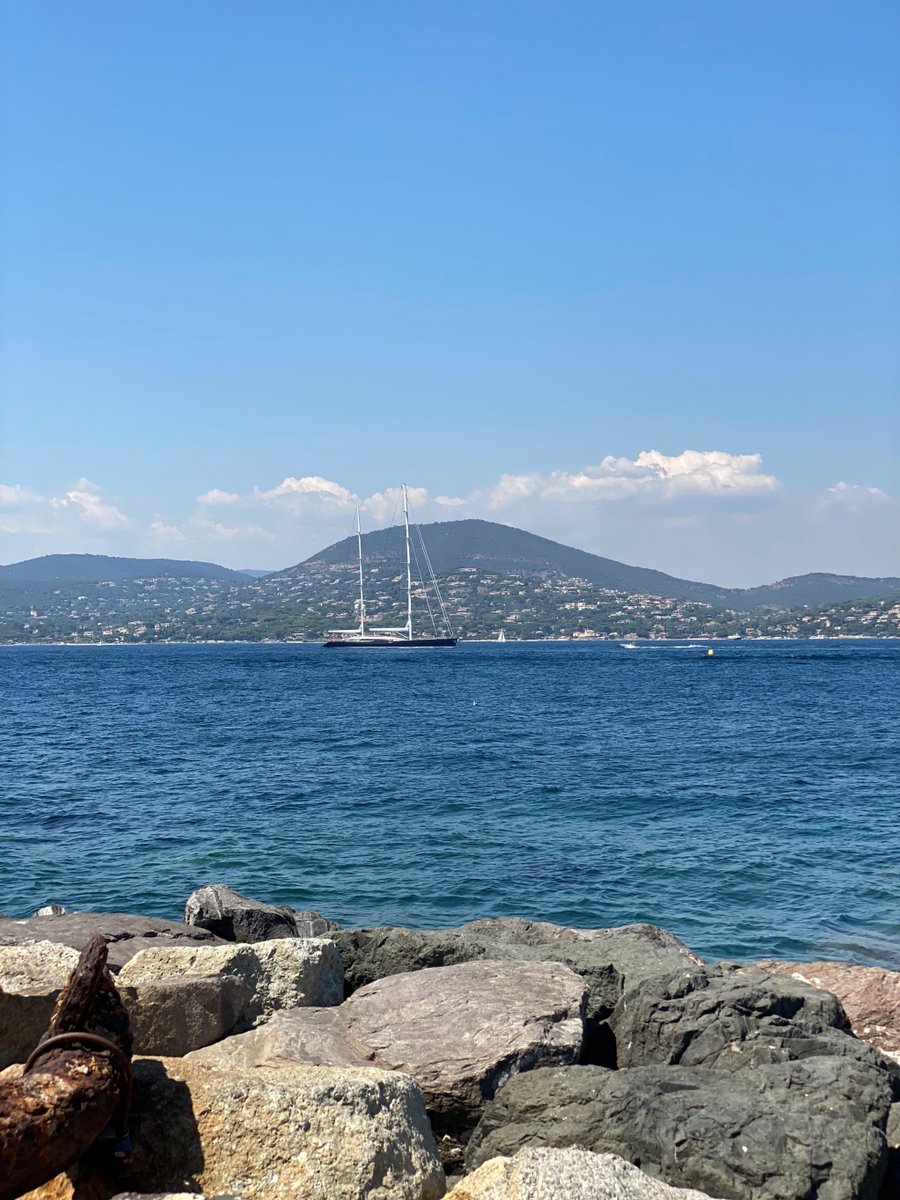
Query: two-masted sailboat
{"points": [[399, 637]]}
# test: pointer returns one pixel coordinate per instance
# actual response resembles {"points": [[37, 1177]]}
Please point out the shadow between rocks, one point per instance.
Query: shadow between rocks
{"points": [[164, 1129], [168, 1156], [599, 1046]]}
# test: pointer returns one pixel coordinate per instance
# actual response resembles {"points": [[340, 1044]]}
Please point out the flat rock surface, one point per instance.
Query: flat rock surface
{"points": [[460, 1031], [791, 1131], [318, 1036], [35, 968], [31, 978], [126, 934], [607, 959], [537, 1173], [870, 996], [295, 1133]]}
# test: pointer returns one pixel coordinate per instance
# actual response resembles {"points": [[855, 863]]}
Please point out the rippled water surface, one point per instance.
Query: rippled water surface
{"points": [[749, 801]]}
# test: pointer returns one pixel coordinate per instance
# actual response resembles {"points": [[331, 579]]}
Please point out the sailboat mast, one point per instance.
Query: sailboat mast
{"points": [[362, 599], [409, 628]]}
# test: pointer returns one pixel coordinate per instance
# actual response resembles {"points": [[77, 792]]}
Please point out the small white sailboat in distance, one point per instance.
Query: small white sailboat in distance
{"points": [[501, 636], [402, 636]]}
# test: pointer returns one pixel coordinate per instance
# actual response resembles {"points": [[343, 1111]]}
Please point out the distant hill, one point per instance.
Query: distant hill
{"points": [[489, 546], [94, 568], [495, 577], [815, 590]]}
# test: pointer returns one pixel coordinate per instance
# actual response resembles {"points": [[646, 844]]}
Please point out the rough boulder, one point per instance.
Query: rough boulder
{"points": [[286, 973], [731, 1017], [536, 1173], [459, 1031], [238, 918], [788, 1131], [296, 1133]]}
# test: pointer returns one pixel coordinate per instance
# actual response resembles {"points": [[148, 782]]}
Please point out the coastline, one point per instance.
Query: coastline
{"points": [[282, 1031], [849, 637]]}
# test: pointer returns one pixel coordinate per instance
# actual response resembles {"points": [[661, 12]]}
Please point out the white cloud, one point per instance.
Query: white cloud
{"points": [[304, 513], [231, 533], [161, 532], [85, 500], [13, 495], [651, 475], [308, 487], [855, 491], [217, 496], [25, 511]]}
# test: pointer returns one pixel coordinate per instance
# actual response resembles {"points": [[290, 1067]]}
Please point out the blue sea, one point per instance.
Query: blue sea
{"points": [[749, 800]]}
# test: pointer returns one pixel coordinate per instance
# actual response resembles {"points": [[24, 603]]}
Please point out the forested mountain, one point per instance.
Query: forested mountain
{"points": [[94, 568], [497, 549], [493, 577]]}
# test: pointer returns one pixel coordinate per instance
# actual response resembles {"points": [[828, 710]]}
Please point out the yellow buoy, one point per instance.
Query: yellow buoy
{"points": [[709, 653]]}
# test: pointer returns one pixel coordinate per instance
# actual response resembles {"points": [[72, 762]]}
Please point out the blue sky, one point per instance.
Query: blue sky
{"points": [[453, 243]]}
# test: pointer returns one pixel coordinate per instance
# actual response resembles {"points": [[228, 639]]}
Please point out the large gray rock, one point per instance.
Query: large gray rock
{"points": [[608, 960], [370, 954], [791, 1131], [239, 918], [286, 973], [31, 978], [537, 1173], [731, 1017], [175, 1015], [870, 996], [295, 1133], [126, 934], [460, 1031]]}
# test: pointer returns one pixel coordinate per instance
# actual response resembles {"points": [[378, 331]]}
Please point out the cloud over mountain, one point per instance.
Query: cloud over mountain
{"points": [[706, 514]]}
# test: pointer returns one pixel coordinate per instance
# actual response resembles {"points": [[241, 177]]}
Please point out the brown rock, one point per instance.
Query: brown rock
{"points": [[317, 1036], [460, 1031]]}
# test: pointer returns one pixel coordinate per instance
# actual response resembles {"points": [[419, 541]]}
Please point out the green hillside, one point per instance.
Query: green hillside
{"points": [[95, 568], [501, 549], [493, 577], [814, 590], [489, 546]]}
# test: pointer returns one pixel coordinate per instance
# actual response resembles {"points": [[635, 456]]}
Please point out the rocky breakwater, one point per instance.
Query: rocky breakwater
{"points": [[285, 1057]]}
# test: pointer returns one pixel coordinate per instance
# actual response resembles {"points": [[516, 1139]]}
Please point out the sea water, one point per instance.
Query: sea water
{"points": [[748, 800]]}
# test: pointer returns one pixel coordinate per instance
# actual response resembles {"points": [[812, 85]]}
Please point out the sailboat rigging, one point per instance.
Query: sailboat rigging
{"points": [[401, 636]]}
